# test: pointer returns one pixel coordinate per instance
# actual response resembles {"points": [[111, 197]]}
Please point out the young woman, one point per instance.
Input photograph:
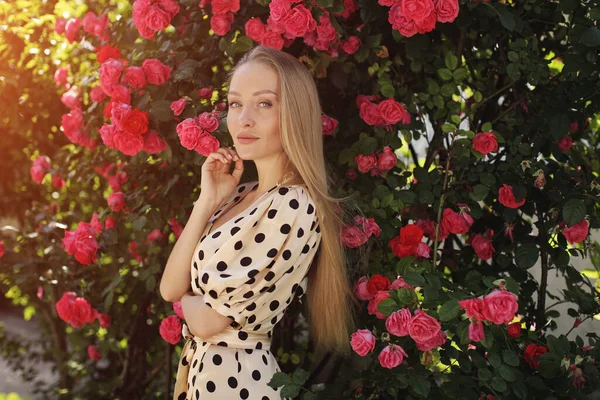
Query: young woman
{"points": [[253, 247]]}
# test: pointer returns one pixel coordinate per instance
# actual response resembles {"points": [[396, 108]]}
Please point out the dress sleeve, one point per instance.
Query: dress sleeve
{"points": [[259, 269]]}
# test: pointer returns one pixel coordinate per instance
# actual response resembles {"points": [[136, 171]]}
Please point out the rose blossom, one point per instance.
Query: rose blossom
{"points": [[97, 94], [386, 160], [272, 40], [365, 162], [423, 327], [576, 233], [221, 23], [485, 142], [435, 342], [206, 144], [82, 243], [116, 201], [170, 329], [400, 22], [178, 106], [446, 10], [178, 310], [225, 6], [299, 21], [374, 303], [423, 250], [362, 342], [391, 356], [107, 52], [353, 236], [378, 282], [565, 143], [153, 143], [482, 244], [391, 111], [72, 29], [532, 354], [514, 330], [207, 121], [328, 125], [473, 308], [255, 29], [476, 332], [104, 320], [399, 322], [135, 77], [156, 72], [351, 45], [93, 352], [506, 197], [371, 114], [500, 306], [400, 283]]}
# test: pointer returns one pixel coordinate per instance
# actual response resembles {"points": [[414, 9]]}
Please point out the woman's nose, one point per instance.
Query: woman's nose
{"points": [[246, 116]]}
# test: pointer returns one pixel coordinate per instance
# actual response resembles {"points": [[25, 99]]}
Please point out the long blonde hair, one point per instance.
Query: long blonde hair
{"points": [[329, 293]]}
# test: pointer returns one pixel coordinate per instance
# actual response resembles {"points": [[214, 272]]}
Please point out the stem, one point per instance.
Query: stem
{"points": [[441, 206], [557, 303], [541, 305], [573, 327]]}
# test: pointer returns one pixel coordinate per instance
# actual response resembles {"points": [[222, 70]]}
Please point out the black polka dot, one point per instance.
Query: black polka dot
{"points": [[285, 229], [224, 275], [238, 245], [249, 294], [197, 394], [244, 394], [216, 235], [294, 204], [251, 307], [259, 238], [283, 190], [264, 358], [253, 211], [182, 396], [300, 232], [224, 344], [257, 327], [271, 214], [229, 289], [249, 351], [201, 367], [274, 305], [272, 253], [311, 209], [213, 294], [243, 335], [294, 287], [290, 270], [265, 398], [274, 320], [210, 386], [205, 278], [250, 281], [269, 276], [221, 266], [245, 261], [252, 273], [239, 367], [305, 249], [271, 289], [251, 319], [256, 375], [217, 360], [259, 345], [234, 230], [201, 255], [287, 254], [233, 383]]}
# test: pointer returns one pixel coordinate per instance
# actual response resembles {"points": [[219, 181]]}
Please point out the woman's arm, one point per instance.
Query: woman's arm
{"points": [[176, 279], [202, 320]]}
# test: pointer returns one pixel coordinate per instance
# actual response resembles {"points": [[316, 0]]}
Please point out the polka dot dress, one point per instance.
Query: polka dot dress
{"points": [[249, 269]]}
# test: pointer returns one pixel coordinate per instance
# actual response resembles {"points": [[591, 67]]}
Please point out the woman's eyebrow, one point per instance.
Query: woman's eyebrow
{"points": [[255, 93]]}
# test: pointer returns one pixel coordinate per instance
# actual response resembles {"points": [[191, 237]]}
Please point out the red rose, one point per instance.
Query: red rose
{"points": [[97, 94], [485, 142], [386, 160], [116, 201], [156, 72], [328, 125], [170, 329], [272, 40], [221, 23], [473, 308], [371, 114], [500, 306], [365, 163], [189, 132], [110, 72], [64, 306], [378, 282], [514, 330], [565, 143], [93, 352], [457, 223], [576, 233], [411, 234], [299, 21], [391, 111], [427, 24], [206, 144], [104, 320], [82, 243], [401, 22], [178, 106], [374, 303], [72, 29], [351, 45], [136, 122], [107, 52], [207, 121], [225, 6], [153, 143], [128, 143], [135, 77], [482, 246], [533, 353], [507, 197]]}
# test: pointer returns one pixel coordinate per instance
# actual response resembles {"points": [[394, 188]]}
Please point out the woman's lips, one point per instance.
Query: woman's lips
{"points": [[247, 140]]}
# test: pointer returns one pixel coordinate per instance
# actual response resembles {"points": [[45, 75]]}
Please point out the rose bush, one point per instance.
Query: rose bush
{"points": [[436, 116]]}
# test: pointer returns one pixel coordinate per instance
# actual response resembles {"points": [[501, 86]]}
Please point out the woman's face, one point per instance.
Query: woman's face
{"points": [[253, 108]]}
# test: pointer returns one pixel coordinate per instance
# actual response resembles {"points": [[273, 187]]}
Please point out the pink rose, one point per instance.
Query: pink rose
{"points": [[365, 163], [255, 28], [178, 310], [97, 94], [399, 322], [507, 198], [391, 356], [206, 144], [120, 94], [353, 236], [110, 223], [400, 22], [156, 72], [417, 10], [423, 327], [93, 352], [435, 342], [170, 329], [104, 320], [37, 174], [178, 106], [565, 143], [135, 77], [72, 29], [59, 25], [427, 24], [328, 125], [362, 342], [57, 181], [205, 93], [279, 9], [473, 308], [386, 160], [60, 76], [500, 306], [485, 142], [116, 201], [391, 111], [107, 133], [576, 233], [64, 306], [371, 114], [176, 227], [135, 122], [221, 23], [208, 121], [82, 243], [128, 143], [299, 21], [150, 16], [189, 133], [225, 6], [446, 10], [400, 283], [107, 52], [423, 250], [374, 303], [110, 72], [361, 291], [351, 45], [272, 40], [326, 32], [154, 144], [476, 333]]}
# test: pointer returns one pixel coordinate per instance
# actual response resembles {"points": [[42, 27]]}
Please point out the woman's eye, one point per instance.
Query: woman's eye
{"points": [[268, 103]]}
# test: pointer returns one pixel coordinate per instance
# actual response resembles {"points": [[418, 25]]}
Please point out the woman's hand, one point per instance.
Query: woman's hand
{"points": [[217, 182]]}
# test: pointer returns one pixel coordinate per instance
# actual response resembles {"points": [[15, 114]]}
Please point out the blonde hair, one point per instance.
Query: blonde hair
{"points": [[329, 293]]}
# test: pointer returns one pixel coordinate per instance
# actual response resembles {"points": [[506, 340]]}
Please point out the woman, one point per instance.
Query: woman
{"points": [[251, 246]]}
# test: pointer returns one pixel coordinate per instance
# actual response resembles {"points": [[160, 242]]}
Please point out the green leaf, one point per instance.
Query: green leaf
{"points": [[559, 345], [414, 278], [549, 366], [280, 379], [499, 384], [291, 390], [559, 125], [408, 196], [479, 193], [451, 61], [487, 179], [573, 211], [387, 306], [507, 373], [486, 127], [590, 37], [300, 376], [459, 75], [139, 223], [507, 19], [513, 56], [421, 387], [161, 110], [494, 360], [526, 255], [243, 44], [445, 74], [362, 54], [373, 41], [520, 390], [406, 296], [484, 374], [511, 358], [449, 310], [387, 89], [325, 3]]}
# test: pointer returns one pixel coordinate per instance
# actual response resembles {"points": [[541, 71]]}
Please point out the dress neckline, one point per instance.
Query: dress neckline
{"points": [[224, 209]]}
